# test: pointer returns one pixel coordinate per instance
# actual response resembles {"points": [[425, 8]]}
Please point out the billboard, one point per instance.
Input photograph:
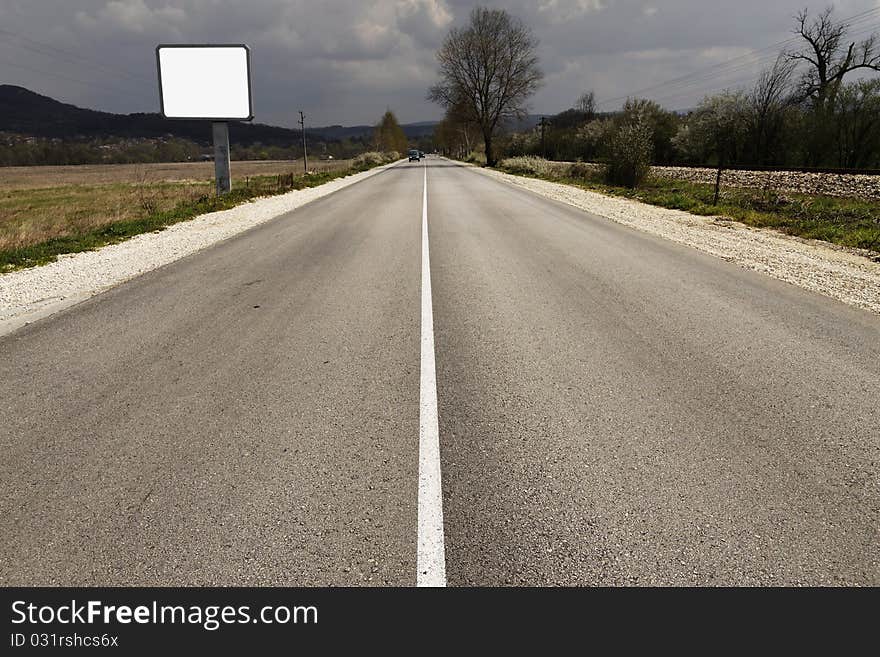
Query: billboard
{"points": [[211, 82]]}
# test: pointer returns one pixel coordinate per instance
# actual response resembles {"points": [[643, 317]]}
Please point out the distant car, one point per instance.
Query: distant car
{"points": [[414, 155], [421, 154]]}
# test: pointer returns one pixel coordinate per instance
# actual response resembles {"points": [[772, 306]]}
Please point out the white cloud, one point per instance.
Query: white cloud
{"points": [[558, 11], [423, 21]]}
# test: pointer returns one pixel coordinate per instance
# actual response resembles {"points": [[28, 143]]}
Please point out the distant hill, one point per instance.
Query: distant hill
{"points": [[411, 130], [25, 112]]}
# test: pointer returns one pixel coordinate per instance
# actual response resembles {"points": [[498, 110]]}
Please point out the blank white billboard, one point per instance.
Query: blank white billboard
{"points": [[205, 82]]}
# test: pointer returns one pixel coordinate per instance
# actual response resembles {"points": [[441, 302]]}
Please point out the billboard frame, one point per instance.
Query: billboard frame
{"points": [[247, 51]]}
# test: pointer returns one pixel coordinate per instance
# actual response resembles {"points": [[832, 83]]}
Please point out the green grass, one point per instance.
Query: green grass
{"points": [[84, 218], [851, 222]]}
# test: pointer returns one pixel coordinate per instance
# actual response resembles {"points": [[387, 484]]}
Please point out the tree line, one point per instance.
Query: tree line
{"points": [[18, 150], [810, 109]]}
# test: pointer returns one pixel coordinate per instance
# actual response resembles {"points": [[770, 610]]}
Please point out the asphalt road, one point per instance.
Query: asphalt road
{"points": [[613, 408]]}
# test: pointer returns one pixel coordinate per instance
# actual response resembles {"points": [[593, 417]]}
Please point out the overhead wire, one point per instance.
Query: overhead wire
{"points": [[724, 81], [18, 41], [69, 56], [744, 61]]}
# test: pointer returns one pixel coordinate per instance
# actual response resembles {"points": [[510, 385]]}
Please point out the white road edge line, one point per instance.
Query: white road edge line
{"points": [[431, 556]]}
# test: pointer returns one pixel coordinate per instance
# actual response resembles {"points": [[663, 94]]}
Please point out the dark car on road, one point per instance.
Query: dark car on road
{"points": [[414, 155]]}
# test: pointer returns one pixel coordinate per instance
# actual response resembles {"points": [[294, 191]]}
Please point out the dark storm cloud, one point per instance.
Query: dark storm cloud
{"points": [[345, 62]]}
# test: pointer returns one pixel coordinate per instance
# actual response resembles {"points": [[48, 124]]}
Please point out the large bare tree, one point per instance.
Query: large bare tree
{"points": [[488, 71], [830, 56]]}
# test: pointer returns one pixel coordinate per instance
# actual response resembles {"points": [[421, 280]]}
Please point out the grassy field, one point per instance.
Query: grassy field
{"points": [[98, 174], [852, 222], [47, 211]]}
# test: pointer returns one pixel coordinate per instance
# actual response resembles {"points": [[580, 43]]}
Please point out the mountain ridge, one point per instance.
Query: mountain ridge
{"points": [[26, 112]]}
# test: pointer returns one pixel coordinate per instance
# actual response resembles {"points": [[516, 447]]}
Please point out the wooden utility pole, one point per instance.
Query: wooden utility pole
{"points": [[302, 125], [543, 123]]}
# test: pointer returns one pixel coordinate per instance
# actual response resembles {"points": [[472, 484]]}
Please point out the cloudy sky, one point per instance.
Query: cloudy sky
{"points": [[346, 61]]}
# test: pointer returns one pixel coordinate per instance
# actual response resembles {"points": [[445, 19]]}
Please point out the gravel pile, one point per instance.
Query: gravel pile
{"points": [[829, 184], [843, 274], [29, 294]]}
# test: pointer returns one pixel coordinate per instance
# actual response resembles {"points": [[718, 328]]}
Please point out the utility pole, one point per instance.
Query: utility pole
{"points": [[302, 125], [543, 123]]}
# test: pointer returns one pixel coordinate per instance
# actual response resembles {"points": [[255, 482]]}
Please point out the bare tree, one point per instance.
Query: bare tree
{"points": [[829, 56], [488, 70], [586, 105], [769, 100]]}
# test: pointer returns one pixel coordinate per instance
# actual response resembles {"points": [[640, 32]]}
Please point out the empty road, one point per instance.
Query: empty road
{"points": [[610, 408]]}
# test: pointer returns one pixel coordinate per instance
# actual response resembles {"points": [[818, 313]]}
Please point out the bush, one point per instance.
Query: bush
{"points": [[476, 157], [593, 137], [527, 164], [373, 158], [629, 155], [581, 170], [536, 166]]}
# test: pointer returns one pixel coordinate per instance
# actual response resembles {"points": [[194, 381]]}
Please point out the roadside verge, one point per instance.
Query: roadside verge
{"points": [[845, 274], [30, 294]]}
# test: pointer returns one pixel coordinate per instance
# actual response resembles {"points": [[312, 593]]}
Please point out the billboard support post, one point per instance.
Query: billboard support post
{"points": [[302, 123], [221, 157]]}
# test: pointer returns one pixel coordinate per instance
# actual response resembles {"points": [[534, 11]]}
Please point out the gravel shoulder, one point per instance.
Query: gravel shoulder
{"points": [[843, 274], [30, 294]]}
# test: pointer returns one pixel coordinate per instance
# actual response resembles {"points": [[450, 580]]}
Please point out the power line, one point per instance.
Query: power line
{"points": [[690, 89], [69, 79], [699, 74], [737, 63], [720, 81], [725, 68], [66, 55]]}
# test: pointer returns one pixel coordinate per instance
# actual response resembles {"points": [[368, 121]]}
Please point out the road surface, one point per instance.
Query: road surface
{"points": [[610, 408]]}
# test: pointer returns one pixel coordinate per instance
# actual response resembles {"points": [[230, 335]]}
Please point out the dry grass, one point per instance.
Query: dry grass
{"points": [[38, 204], [97, 174], [39, 223], [31, 216]]}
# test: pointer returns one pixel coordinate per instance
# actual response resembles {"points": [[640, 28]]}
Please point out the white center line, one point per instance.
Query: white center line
{"points": [[431, 557]]}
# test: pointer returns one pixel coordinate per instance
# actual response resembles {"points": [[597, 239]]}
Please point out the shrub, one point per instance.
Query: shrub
{"points": [[527, 164], [537, 166], [581, 170], [629, 155], [593, 137], [373, 158]]}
